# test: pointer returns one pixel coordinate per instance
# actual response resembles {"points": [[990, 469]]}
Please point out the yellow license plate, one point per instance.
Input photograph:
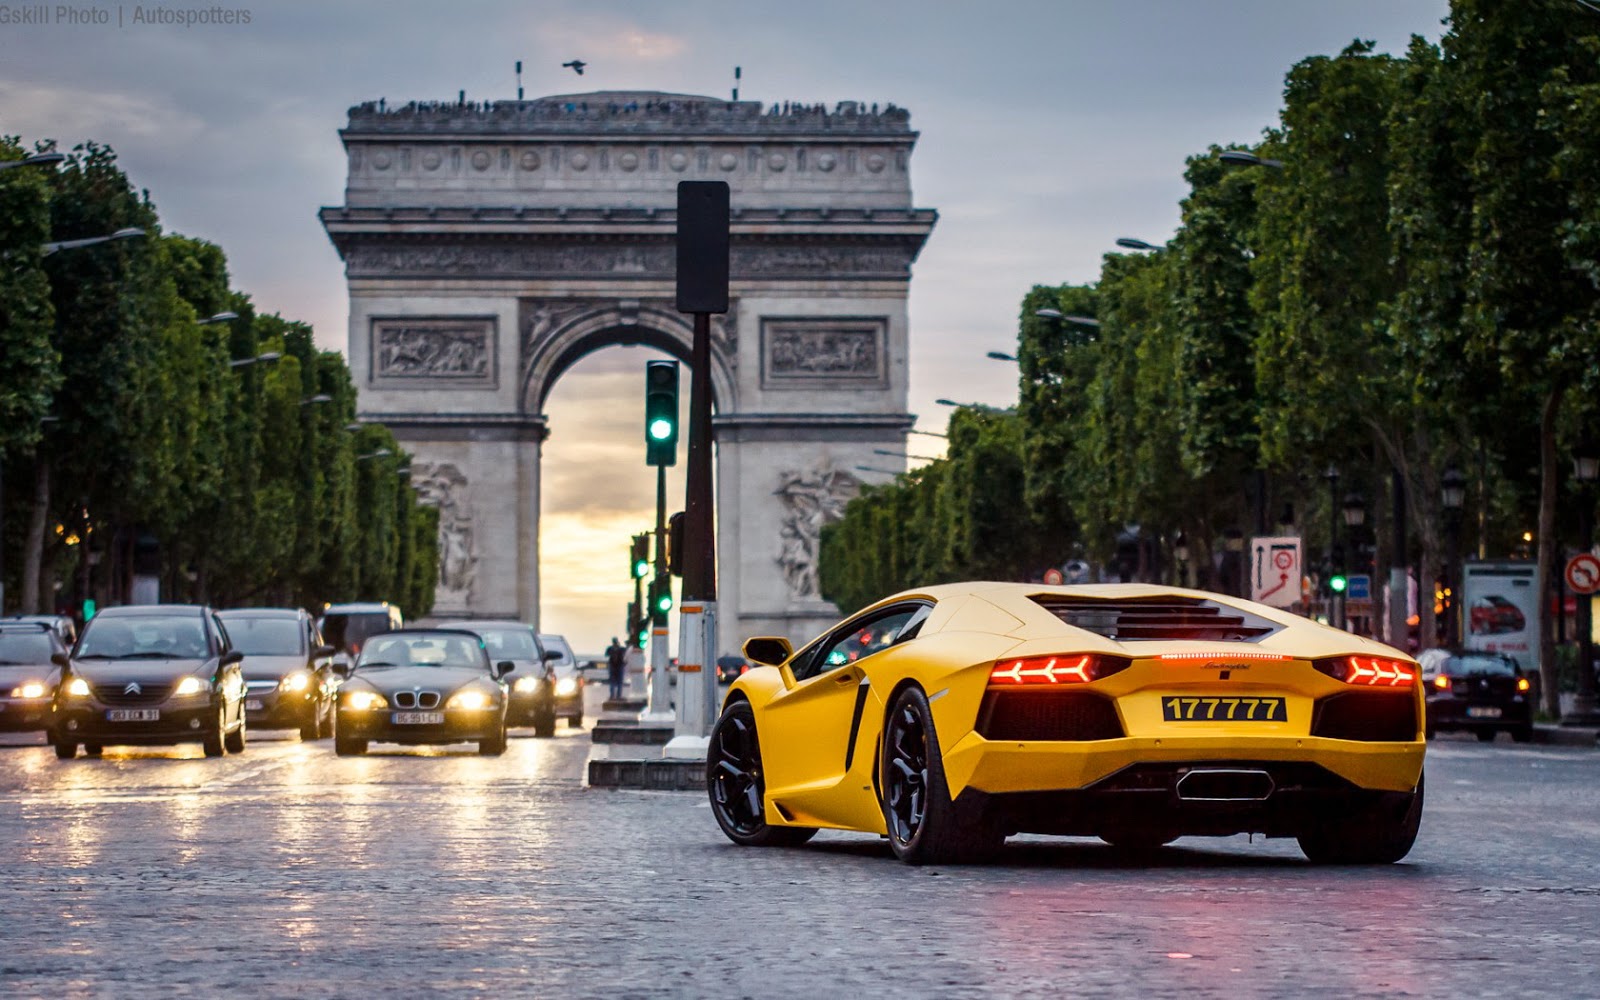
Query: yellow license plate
{"points": [[1223, 708]]}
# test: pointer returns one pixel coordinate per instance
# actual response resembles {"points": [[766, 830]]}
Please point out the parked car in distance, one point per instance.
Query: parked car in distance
{"points": [[422, 686], [533, 678], [1478, 691], [729, 668], [346, 627], [569, 679], [62, 625], [29, 673], [151, 674], [288, 670]]}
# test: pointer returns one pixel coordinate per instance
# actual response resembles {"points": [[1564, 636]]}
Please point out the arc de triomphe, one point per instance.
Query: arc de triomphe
{"points": [[489, 246]]}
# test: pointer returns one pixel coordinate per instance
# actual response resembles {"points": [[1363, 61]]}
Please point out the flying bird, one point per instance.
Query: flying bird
{"points": [[575, 65]]}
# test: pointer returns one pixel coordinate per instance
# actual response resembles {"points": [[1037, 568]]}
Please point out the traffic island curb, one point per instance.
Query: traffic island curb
{"points": [[1567, 736], [631, 733], [654, 774]]}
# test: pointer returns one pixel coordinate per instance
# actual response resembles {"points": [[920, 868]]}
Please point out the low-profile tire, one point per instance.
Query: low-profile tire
{"points": [[66, 751], [544, 723], [926, 827], [493, 746], [575, 721], [212, 743], [93, 749], [736, 787], [1378, 834], [312, 730], [325, 724], [1486, 735], [234, 742], [348, 747], [1523, 733]]}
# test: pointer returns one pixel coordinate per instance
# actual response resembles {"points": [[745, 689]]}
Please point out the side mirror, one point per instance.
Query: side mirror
{"points": [[552, 654], [231, 657], [502, 668], [61, 660], [323, 651], [770, 650], [342, 669]]}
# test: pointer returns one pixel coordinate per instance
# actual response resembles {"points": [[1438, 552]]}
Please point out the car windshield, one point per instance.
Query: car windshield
{"points": [[143, 638], [509, 643], [25, 648], [436, 650], [559, 644], [1470, 664], [352, 630], [266, 636]]}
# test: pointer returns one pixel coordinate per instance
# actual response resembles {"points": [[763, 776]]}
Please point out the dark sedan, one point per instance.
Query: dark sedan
{"points": [[423, 686], [1478, 691], [533, 679], [29, 672], [288, 671], [154, 674]]}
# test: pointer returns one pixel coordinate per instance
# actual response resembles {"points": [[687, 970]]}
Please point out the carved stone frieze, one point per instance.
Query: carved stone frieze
{"points": [[801, 353], [444, 485], [385, 259], [459, 351], [811, 498]]}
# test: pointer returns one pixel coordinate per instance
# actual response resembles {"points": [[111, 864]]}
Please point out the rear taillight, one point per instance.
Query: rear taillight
{"points": [[1067, 668], [1442, 682], [1369, 671], [1523, 684]]}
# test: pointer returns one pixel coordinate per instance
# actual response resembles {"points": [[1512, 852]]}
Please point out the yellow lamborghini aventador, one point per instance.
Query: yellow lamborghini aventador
{"points": [[950, 717]]}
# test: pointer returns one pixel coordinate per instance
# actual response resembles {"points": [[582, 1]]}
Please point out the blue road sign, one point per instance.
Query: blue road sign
{"points": [[1360, 588]]}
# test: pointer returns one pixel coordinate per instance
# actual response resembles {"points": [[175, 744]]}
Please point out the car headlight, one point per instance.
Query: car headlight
{"points": [[525, 684], [190, 686], [297, 681], [78, 688], [30, 689], [471, 701], [566, 686], [363, 701]]}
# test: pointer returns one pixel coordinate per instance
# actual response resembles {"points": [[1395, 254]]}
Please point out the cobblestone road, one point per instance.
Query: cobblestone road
{"points": [[290, 872]]}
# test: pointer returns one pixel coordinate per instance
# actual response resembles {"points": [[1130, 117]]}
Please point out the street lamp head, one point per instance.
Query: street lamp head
{"points": [[221, 317], [320, 397], [1048, 313], [1083, 321], [1453, 492], [1331, 474], [1586, 461], [356, 426], [1001, 356], [128, 233], [1355, 510], [380, 453], [1180, 547], [947, 402], [1131, 243], [1245, 158]]}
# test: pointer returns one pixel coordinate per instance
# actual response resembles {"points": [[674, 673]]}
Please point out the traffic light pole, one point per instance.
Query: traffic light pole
{"points": [[659, 707], [697, 634]]}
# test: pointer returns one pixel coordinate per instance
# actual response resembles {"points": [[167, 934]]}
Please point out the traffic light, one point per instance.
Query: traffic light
{"points": [[640, 561], [88, 609], [675, 544], [1337, 580], [660, 596], [638, 628], [661, 412]]}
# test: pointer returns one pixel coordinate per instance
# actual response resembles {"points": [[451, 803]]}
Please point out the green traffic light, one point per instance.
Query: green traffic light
{"points": [[1337, 584], [664, 602], [641, 569], [660, 429]]}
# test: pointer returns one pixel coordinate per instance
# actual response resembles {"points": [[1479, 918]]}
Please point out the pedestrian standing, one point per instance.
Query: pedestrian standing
{"points": [[616, 665]]}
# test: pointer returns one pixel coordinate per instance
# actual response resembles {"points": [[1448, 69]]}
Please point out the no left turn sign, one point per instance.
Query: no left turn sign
{"points": [[1583, 573]]}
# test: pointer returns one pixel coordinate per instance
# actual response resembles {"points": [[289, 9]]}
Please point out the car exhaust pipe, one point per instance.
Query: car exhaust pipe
{"points": [[1220, 784]]}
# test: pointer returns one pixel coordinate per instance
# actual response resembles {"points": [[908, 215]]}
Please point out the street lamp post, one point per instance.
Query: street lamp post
{"points": [[267, 357], [128, 233], [1355, 515], [1334, 586], [36, 160], [1585, 470], [1452, 497]]}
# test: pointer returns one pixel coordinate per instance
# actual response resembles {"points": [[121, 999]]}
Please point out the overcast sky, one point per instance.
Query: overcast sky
{"points": [[1048, 129]]}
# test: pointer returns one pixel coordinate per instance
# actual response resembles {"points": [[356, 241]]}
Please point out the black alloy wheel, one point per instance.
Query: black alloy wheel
{"points": [[234, 741], [734, 783], [212, 743], [925, 826], [1377, 834]]}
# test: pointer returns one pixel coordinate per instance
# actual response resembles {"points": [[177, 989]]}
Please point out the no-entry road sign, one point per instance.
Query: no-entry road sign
{"points": [[1583, 573]]}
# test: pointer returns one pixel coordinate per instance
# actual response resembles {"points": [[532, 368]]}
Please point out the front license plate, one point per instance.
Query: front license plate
{"points": [[253, 705], [1483, 712], [418, 718], [1231, 708], [133, 715]]}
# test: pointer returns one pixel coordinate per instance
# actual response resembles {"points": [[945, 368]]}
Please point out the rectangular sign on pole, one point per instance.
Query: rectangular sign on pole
{"points": [[1501, 606], [703, 246], [1275, 570]]}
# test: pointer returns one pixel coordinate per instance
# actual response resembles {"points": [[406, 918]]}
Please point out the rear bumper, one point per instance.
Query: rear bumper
{"points": [[458, 727], [1282, 799], [1049, 766], [1453, 713]]}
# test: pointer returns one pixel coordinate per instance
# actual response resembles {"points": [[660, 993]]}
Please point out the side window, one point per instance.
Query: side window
{"points": [[863, 637]]}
